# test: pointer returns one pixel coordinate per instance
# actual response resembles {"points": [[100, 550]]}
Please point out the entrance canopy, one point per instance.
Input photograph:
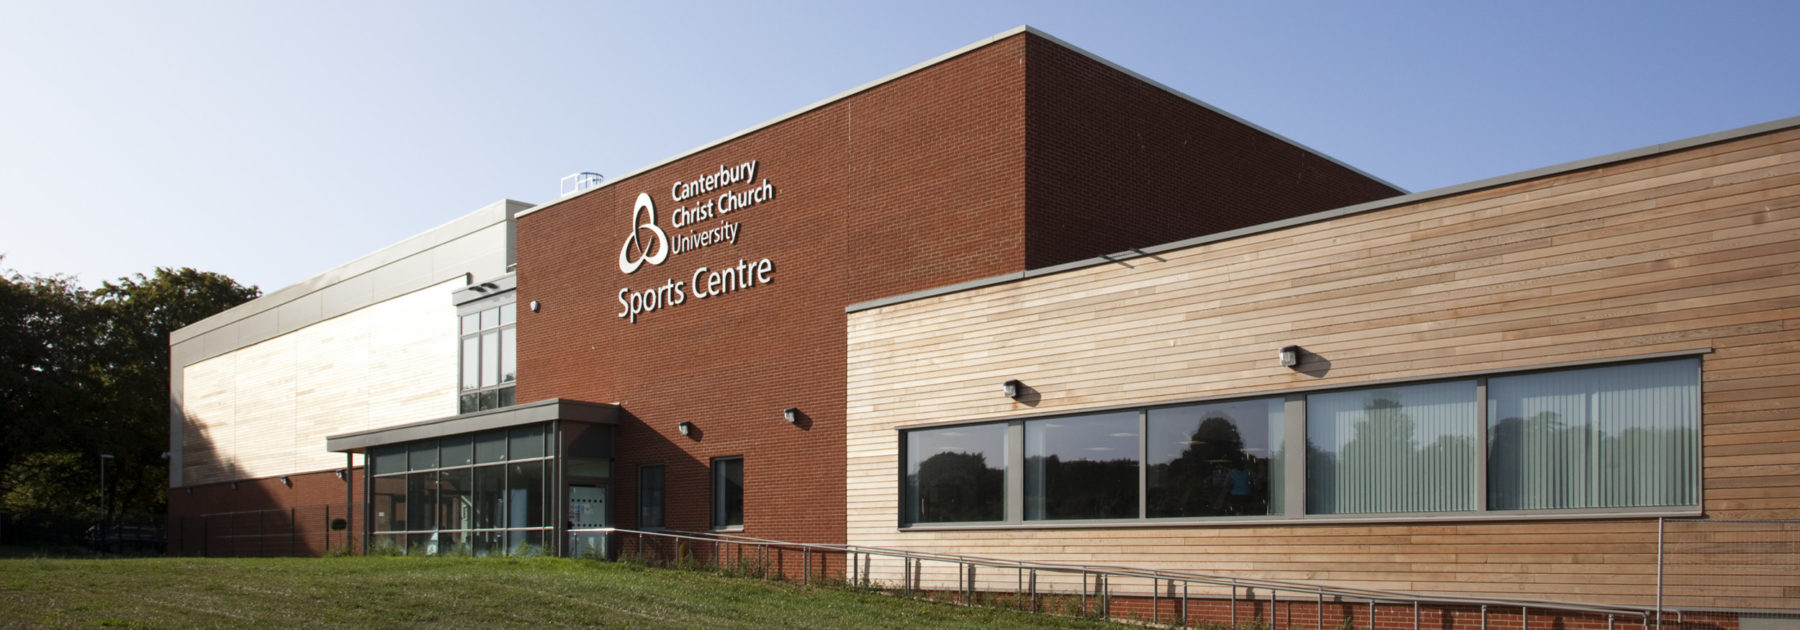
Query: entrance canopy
{"points": [[507, 417]]}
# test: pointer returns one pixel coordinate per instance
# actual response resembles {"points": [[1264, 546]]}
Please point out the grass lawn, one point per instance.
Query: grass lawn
{"points": [[439, 593]]}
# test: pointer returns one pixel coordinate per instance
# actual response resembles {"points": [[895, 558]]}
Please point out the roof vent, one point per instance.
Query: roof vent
{"points": [[577, 183]]}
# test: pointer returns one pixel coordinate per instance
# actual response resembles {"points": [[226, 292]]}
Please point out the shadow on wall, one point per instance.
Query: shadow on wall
{"points": [[221, 511]]}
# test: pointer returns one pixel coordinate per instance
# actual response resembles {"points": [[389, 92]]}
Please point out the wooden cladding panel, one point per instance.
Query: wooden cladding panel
{"points": [[265, 409], [1693, 249]]}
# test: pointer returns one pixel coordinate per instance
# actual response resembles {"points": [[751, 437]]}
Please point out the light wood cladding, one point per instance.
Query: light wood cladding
{"points": [[1693, 249], [265, 409]]}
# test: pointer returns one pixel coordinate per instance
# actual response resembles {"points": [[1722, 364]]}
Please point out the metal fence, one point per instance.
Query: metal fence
{"points": [[1162, 597], [312, 530], [1748, 566]]}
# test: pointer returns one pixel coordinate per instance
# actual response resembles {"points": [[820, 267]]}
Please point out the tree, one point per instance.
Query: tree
{"points": [[84, 373], [46, 341], [132, 371]]}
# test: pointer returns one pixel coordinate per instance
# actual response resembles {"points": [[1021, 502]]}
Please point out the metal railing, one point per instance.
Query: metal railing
{"points": [[294, 531], [1170, 595]]}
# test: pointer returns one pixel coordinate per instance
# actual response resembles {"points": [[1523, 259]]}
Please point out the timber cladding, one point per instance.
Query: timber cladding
{"points": [[1692, 249]]}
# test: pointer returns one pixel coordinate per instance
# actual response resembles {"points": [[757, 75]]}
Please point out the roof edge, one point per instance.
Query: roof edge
{"points": [[423, 241], [1369, 206]]}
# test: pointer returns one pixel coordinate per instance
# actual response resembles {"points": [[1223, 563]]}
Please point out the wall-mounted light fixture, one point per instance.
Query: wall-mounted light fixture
{"points": [[1012, 389], [342, 474], [534, 306], [1290, 356], [234, 485], [685, 428], [287, 482], [791, 415]]}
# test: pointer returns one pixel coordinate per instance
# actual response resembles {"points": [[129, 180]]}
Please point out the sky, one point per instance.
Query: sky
{"points": [[271, 141]]}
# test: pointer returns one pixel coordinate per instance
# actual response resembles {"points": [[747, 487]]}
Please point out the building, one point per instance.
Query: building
{"points": [[1220, 351]]}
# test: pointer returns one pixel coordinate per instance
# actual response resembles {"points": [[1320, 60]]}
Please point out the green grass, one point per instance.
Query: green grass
{"points": [[439, 593]]}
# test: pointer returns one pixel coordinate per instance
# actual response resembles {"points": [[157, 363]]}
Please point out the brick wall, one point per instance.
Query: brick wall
{"points": [[1117, 163], [264, 517]]}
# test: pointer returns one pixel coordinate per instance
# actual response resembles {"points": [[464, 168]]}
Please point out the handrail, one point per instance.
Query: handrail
{"points": [[1337, 592]]}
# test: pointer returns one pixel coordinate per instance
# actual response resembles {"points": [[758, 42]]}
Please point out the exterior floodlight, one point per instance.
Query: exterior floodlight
{"points": [[1012, 389], [1290, 356], [791, 414], [286, 482], [685, 428], [341, 474]]}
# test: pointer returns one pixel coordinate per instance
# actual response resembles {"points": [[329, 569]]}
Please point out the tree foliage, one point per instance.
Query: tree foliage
{"points": [[87, 372]]}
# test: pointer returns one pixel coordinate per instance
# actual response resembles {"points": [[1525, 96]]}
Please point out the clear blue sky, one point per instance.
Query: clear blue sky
{"points": [[272, 140]]}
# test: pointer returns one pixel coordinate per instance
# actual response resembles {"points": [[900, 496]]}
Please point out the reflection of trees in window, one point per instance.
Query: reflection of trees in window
{"points": [[958, 486], [1382, 468], [1213, 476], [1082, 488]]}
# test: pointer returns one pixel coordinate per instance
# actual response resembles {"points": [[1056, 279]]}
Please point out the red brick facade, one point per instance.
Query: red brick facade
{"points": [[1014, 155], [265, 517]]}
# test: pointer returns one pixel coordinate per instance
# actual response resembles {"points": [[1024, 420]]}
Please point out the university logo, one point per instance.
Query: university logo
{"points": [[653, 254]]}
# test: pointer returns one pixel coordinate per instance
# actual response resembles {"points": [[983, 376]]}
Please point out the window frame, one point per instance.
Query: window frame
{"points": [[720, 516], [662, 497], [502, 391], [1294, 428]]}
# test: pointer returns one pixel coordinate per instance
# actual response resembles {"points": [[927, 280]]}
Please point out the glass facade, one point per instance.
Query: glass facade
{"points": [[1610, 437], [484, 494]]}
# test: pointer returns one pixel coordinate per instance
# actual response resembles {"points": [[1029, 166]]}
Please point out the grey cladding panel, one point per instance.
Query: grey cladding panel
{"points": [[345, 297], [482, 253], [298, 314], [403, 276]]}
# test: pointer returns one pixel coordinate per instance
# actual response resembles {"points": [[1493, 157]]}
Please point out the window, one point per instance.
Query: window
{"points": [[1615, 437], [486, 493], [1221, 459], [956, 474], [650, 496], [1082, 467], [728, 492], [489, 359], [1611, 437], [1392, 449]]}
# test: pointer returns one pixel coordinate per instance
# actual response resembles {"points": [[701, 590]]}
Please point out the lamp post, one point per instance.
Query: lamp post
{"points": [[103, 458]]}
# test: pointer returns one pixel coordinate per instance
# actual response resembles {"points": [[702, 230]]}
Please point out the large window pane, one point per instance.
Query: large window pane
{"points": [[650, 496], [1392, 449], [1082, 467], [1220, 459], [388, 459], [1616, 436], [728, 493], [424, 455], [490, 497], [525, 495], [490, 447], [956, 474], [490, 359], [527, 442], [490, 318], [456, 451], [509, 364], [471, 363], [456, 499], [389, 504], [422, 509]]}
